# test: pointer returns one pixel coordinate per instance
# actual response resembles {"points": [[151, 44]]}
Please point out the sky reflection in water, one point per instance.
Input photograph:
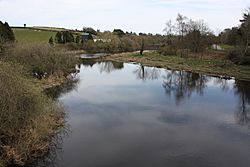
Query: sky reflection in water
{"points": [[129, 115]]}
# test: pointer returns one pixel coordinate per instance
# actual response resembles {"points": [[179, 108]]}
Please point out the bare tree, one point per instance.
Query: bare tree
{"points": [[197, 33], [181, 26], [169, 30]]}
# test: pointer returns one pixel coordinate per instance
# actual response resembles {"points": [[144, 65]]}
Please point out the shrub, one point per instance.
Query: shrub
{"points": [[235, 57], [28, 118], [168, 50], [41, 59], [6, 33]]}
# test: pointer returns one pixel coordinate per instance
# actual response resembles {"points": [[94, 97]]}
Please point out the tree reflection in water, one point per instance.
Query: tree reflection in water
{"points": [[110, 66], [106, 66], [71, 84], [178, 84], [243, 111], [147, 73], [182, 84]]}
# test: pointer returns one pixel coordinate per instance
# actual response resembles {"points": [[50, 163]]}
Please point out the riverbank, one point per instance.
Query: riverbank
{"points": [[29, 118], [215, 65]]}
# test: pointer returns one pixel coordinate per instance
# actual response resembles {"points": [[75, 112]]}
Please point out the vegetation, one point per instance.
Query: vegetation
{"points": [[212, 63], [37, 56], [27, 119], [51, 41], [6, 33], [89, 30], [41, 60], [25, 35], [187, 35], [239, 38]]}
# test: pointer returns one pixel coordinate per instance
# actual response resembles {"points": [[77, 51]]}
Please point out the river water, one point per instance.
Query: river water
{"points": [[128, 115]]}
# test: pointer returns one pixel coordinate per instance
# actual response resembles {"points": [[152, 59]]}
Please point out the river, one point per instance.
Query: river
{"points": [[129, 115]]}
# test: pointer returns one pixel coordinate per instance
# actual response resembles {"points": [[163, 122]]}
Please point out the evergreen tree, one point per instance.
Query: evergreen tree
{"points": [[245, 32], [67, 37], [51, 41], [58, 38], [6, 33], [78, 39], [90, 37]]}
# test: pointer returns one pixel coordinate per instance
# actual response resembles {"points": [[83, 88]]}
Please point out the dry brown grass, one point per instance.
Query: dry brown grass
{"points": [[28, 118], [41, 58]]}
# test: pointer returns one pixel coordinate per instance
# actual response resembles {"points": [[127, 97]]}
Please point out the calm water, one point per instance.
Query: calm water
{"points": [[127, 115]]}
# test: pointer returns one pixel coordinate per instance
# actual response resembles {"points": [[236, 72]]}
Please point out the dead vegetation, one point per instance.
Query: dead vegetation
{"points": [[28, 118]]}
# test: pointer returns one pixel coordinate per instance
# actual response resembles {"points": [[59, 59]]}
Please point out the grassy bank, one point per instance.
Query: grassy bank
{"points": [[49, 64], [214, 64], [28, 118]]}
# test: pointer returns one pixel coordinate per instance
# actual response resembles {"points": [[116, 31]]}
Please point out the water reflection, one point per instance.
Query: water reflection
{"points": [[70, 85], [107, 66], [132, 115], [182, 84], [147, 73], [242, 89], [55, 150]]}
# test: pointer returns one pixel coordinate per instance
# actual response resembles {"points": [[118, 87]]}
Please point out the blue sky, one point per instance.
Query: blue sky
{"points": [[129, 15]]}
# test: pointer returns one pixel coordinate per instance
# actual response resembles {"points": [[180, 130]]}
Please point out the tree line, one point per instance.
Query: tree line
{"points": [[239, 37]]}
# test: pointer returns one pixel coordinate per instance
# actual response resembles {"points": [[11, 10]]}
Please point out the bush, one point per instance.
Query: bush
{"points": [[28, 118], [235, 57], [168, 50], [6, 33], [41, 59]]}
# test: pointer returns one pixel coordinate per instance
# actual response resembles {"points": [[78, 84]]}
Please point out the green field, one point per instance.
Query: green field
{"points": [[25, 35]]}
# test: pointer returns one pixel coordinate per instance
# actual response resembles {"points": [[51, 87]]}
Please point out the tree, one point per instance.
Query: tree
{"points": [[118, 32], [230, 36], [58, 38], [51, 41], [142, 47], [67, 37], [6, 33], [169, 30], [196, 38], [181, 27], [90, 37], [78, 39], [89, 30], [245, 32]]}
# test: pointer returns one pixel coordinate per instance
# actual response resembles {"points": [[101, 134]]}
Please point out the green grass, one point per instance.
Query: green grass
{"points": [[24, 35], [211, 66]]}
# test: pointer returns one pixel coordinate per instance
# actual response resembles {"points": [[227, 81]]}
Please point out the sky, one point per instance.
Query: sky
{"points": [[148, 16]]}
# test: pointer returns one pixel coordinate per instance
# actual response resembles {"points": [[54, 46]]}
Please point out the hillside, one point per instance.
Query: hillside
{"points": [[28, 35]]}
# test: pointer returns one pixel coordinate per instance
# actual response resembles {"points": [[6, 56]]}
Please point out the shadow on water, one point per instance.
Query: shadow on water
{"points": [[133, 96]]}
